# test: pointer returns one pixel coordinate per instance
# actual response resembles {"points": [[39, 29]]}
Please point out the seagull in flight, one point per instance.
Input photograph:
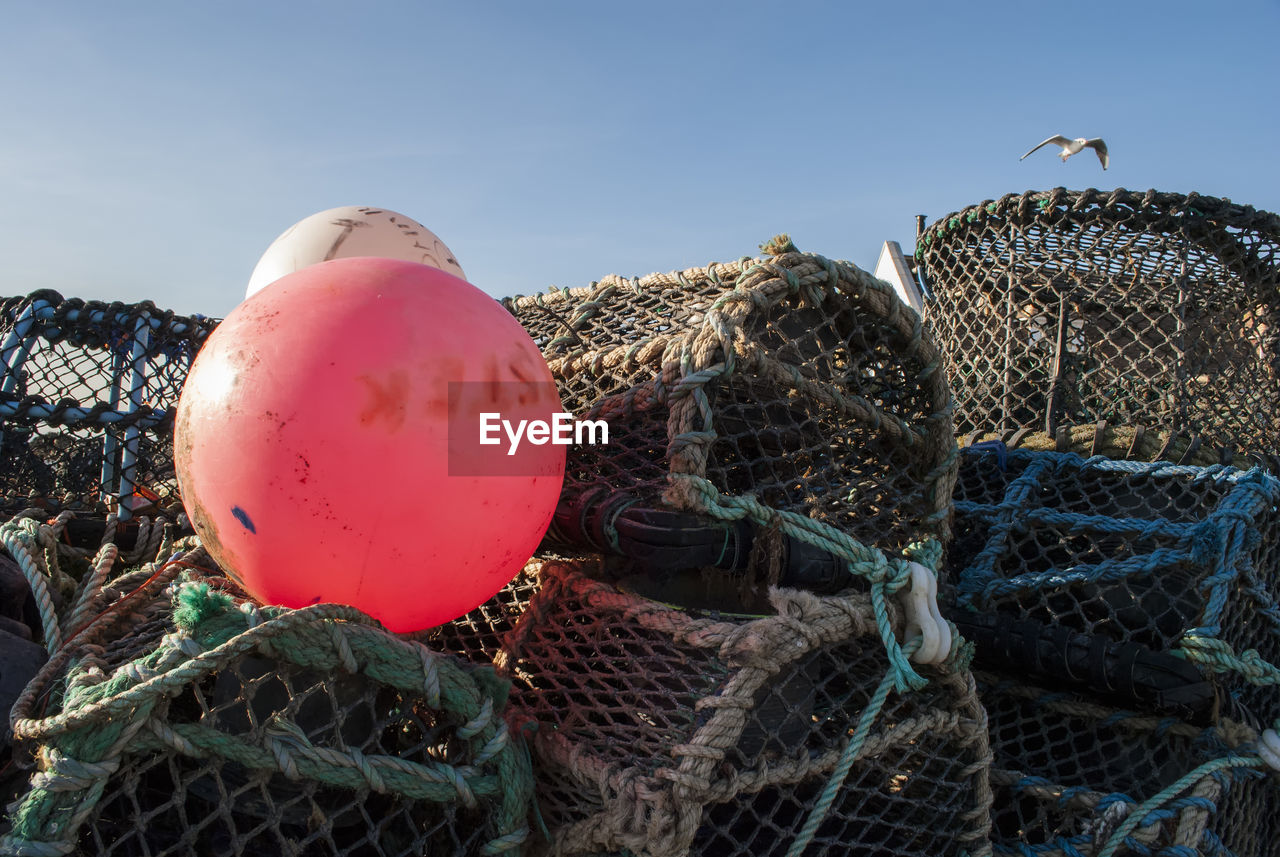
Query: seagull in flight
{"points": [[1071, 147]]}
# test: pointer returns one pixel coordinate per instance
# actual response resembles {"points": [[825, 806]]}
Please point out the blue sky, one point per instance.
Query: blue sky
{"points": [[153, 150]]}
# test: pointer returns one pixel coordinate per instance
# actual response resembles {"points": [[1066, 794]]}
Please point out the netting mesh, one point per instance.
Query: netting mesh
{"points": [[802, 383], [1064, 308], [87, 400], [1132, 443], [185, 720], [657, 731], [1067, 773], [1174, 559]]}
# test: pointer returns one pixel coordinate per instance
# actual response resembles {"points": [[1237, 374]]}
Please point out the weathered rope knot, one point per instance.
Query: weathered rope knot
{"points": [[368, 771], [476, 724], [430, 674], [62, 773], [252, 615], [281, 735], [495, 745], [342, 646], [182, 642], [455, 778]]}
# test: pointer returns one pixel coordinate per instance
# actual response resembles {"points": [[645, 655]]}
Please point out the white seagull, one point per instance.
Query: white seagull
{"points": [[1071, 147]]}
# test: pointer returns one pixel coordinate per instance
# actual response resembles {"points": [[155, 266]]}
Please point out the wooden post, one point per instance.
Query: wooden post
{"points": [[1059, 358]]}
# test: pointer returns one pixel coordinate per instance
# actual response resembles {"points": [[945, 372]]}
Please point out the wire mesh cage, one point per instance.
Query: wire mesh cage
{"points": [[1074, 778], [1063, 308], [790, 393], [182, 719], [659, 730], [87, 402], [1125, 575]]}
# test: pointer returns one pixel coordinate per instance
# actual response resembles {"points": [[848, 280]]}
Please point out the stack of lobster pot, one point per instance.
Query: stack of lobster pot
{"points": [[1112, 355], [733, 646]]}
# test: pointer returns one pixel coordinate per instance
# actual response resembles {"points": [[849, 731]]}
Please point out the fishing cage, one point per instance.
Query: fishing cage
{"points": [[87, 402], [183, 719], [1151, 584], [1067, 308], [660, 730], [1075, 778], [754, 408]]}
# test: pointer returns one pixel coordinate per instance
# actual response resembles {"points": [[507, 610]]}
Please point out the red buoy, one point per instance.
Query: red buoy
{"points": [[327, 442]]}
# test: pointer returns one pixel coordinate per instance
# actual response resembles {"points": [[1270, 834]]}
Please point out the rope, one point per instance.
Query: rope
{"points": [[1215, 553], [886, 576], [1143, 814], [851, 753], [727, 685]]}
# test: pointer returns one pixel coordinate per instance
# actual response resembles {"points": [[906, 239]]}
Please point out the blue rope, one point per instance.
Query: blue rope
{"points": [[1151, 810], [1219, 547]]}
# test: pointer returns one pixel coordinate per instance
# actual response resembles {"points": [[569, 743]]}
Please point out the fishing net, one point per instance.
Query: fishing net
{"points": [[1154, 584], [87, 402], [659, 730], [175, 717], [1073, 778], [1064, 308], [791, 399]]}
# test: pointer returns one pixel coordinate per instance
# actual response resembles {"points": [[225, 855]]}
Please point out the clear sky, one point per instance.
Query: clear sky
{"points": [[153, 150]]}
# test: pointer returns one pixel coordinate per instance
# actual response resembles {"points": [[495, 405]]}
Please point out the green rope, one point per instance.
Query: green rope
{"points": [[851, 753], [1217, 655], [885, 575], [19, 540]]}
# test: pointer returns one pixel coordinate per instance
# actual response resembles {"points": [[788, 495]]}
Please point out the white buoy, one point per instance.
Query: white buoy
{"points": [[353, 230]]}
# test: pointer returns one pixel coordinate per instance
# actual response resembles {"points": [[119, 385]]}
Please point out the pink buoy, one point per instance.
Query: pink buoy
{"points": [[327, 442]]}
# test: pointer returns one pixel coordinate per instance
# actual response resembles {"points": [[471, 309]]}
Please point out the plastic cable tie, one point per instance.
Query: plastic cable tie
{"points": [[924, 617], [1269, 748]]}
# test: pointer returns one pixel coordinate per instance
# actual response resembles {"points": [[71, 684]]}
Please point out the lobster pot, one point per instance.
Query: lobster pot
{"points": [[658, 732], [1064, 308], [1128, 565], [479, 635], [87, 401], [1067, 773], [800, 382], [196, 723]]}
